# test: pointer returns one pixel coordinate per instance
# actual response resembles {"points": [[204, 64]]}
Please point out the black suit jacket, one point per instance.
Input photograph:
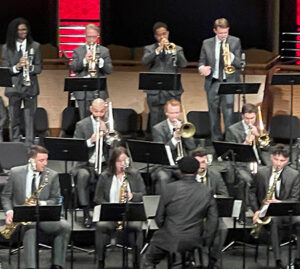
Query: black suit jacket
{"points": [[180, 214], [215, 181], [289, 187], [236, 133]]}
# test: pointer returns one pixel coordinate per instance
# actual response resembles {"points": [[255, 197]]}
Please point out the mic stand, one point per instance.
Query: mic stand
{"points": [[73, 193], [125, 230], [37, 224], [244, 90]]}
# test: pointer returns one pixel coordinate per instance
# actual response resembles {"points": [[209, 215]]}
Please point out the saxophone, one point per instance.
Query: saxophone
{"points": [[9, 229], [266, 220], [122, 200]]}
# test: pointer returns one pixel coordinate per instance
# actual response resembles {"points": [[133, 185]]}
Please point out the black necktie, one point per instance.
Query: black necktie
{"points": [[33, 184], [20, 53], [221, 62]]}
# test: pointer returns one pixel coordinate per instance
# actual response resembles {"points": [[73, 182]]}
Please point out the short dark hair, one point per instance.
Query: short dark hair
{"points": [[222, 23], [159, 24], [280, 149], [116, 153], [249, 108], [35, 149], [200, 152]]}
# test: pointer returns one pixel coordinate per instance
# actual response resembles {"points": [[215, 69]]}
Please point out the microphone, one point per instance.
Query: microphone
{"points": [[243, 61]]}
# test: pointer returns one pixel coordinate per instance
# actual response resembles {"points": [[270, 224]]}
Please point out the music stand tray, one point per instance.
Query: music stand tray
{"points": [[5, 77], [28, 213], [238, 88], [148, 152], [285, 208], [85, 84], [67, 149], [234, 151], [159, 81], [286, 79], [225, 206], [150, 204], [115, 212]]}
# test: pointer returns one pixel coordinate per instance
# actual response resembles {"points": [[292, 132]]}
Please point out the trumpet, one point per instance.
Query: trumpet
{"points": [[92, 69], [27, 67], [263, 139], [228, 68]]}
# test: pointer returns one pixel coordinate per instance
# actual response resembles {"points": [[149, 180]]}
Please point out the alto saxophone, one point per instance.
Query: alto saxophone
{"points": [[9, 229], [122, 200], [266, 220]]}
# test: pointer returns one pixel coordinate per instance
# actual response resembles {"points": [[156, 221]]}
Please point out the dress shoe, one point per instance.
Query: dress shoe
{"points": [[100, 264], [279, 264], [55, 267], [297, 264], [87, 222]]}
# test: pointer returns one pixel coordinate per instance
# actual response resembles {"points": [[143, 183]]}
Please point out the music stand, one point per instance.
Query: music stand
{"points": [[225, 206], [285, 208], [148, 152], [123, 212], [35, 214], [5, 77], [288, 79], [84, 85], [238, 88], [159, 81]]}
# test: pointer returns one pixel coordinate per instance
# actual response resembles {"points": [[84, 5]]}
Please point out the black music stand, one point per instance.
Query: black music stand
{"points": [[84, 85], [123, 212], [238, 88], [5, 77], [237, 153], [35, 214], [148, 152], [285, 208], [288, 79], [159, 81], [68, 149]]}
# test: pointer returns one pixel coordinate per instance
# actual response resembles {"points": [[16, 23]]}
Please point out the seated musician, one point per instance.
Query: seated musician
{"points": [[209, 176], [23, 183], [3, 118], [168, 132], [285, 183], [109, 189], [180, 214], [85, 172]]}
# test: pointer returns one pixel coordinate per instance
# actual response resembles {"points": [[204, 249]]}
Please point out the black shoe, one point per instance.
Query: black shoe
{"points": [[100, 264], [297, 264], [87, 222], [279, 264], [55, 267]]}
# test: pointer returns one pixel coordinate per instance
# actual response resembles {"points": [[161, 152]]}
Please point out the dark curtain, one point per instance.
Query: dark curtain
{"points": [[129, 23]]}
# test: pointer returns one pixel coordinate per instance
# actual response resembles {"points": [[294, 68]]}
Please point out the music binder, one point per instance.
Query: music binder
{"points": [[159, 81], [85, 84], [238, 88]]}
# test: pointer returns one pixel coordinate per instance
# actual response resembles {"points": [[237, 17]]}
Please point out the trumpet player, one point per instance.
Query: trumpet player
{"points": [[91, 59], [108, 190], [85, 172], [168, 132], [287, 188], [162, 56], [22, 184], [211, 66], [23, 70]]}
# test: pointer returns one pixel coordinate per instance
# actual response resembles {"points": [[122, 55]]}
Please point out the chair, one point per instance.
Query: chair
{"points": [[202, 124], [236, 117], [70, 116], [280, 128]]}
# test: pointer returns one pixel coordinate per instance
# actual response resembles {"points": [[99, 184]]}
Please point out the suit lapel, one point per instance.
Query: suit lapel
{"points": [[22, 183], [166, 130]]}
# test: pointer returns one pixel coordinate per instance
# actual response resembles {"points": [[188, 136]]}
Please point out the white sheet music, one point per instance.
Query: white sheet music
{"points": [[237, 204], [263, 211], [169, 154], [96, 213]]}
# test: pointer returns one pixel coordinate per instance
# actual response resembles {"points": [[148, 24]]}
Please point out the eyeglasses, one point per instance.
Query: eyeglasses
{"points": [[91, 36], [22, 29]]}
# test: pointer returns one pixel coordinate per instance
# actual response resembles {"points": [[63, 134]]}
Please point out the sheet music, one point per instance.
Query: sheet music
{"points": [[237, 204], [96, 213], [169, 154], [263, 211]]}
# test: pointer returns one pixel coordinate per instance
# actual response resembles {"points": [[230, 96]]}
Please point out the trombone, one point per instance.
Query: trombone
{"points": [[263, 139], [98, 147]]}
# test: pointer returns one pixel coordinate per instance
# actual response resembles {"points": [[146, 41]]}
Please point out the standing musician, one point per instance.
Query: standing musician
{"points": [[213, 179], [211, 65], [22, 55], [90, 60], [168, 132], [23, 182], [85, 172], [286, 187], [162, 56], [109, 189]]}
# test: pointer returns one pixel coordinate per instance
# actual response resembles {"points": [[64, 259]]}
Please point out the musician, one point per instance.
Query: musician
{"points": [[3, 118], [211, 65], [22, 183], [82, 60], [287, 188], [108, 190], [159, 57], [168, 132], [181, 210], [85, 172], [209, 176], [18, 42]]}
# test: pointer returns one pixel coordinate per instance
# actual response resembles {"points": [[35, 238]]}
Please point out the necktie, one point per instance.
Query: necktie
{"points": [[221, 62], [33, 184], [20, 53]]}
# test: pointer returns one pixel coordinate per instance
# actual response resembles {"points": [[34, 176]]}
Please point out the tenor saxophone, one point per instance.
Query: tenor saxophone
{"points": [[9, 229]]}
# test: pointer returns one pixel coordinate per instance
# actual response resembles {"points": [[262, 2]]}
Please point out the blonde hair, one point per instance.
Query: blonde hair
{"points": [[172, 102], [92, 26]]}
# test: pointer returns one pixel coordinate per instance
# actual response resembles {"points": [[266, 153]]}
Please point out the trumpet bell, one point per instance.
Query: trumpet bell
{"points": [[229, 69], [187, 130]]}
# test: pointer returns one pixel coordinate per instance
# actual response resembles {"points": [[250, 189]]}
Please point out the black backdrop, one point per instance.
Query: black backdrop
{"points": [[129, 22]]}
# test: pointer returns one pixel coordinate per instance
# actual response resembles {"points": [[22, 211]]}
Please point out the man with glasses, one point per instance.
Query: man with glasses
{"points": [[90, 60], [22, 56]]}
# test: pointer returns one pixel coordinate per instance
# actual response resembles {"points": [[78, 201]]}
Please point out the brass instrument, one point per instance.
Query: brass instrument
{"points": [[26, 68], [187, 129], [122, 200], [170, 47], [263, 139], [112, 135], [98, 147], [9, 229], [266, 220], [228, 68], [92, 68]]}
